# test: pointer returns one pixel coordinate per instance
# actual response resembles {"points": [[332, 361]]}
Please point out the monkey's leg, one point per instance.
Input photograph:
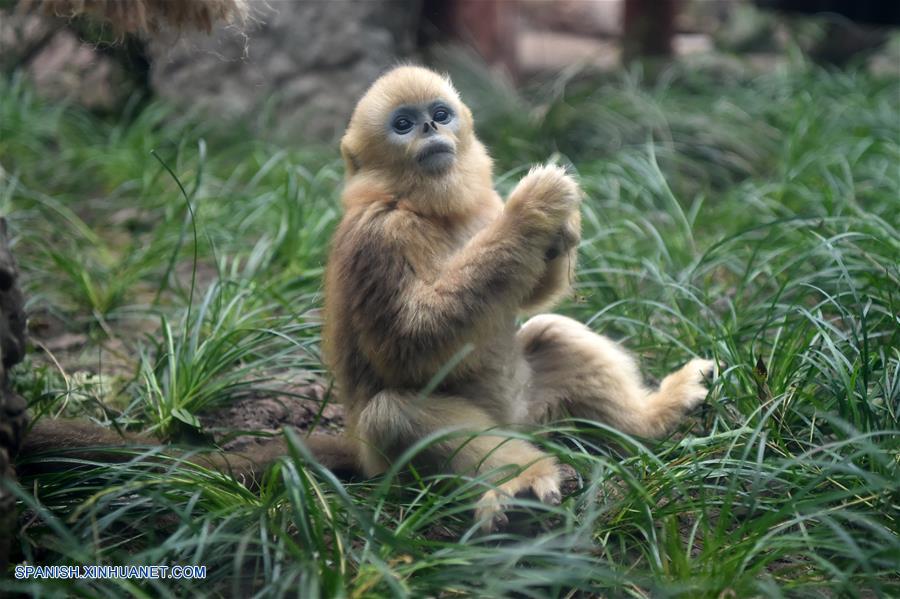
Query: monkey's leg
{"points": [[392, 421], [579, 373]]}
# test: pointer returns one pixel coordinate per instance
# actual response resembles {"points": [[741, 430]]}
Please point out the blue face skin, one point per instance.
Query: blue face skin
{"points": [[427, 126]]}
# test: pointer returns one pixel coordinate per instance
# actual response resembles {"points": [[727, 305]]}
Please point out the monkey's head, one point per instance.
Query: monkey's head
{"points": [[410, 122]]}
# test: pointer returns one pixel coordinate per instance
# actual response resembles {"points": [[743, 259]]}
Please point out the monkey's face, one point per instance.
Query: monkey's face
{"points": [[426, 133], [410, 122]]}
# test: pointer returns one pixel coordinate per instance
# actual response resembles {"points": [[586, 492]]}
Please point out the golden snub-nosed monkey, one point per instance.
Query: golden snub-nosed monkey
{"points": [[428, 260]]}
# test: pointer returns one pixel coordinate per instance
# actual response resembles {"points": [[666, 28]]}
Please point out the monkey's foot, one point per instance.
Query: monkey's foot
{"points": [[540, 480], [689, 382]]}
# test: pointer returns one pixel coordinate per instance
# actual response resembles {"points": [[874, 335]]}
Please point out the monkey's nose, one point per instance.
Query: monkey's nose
{"points": [[427, 125]]}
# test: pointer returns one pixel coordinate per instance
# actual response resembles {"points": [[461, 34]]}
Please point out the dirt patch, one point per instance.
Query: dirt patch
{"points": [[308, 407]]}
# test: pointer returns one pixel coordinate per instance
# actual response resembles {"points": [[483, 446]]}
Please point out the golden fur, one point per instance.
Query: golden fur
{"points": [[423, 266], [151, 16]]}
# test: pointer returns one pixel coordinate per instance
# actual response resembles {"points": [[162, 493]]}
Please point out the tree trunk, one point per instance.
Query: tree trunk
{"points": [[13, 418]]}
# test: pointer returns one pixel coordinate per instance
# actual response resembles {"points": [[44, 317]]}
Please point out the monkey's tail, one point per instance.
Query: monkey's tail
{"points": [[51, 444]]}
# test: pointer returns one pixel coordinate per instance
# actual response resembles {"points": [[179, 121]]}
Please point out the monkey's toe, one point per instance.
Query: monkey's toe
{"points": [[545, 488], [696, 374], [706, 369], [552, 498], [490, 513], [711, 369], [499, 521]]}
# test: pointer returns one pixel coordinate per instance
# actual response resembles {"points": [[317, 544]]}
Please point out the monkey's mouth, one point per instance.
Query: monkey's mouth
{"points": [[436, 157]]}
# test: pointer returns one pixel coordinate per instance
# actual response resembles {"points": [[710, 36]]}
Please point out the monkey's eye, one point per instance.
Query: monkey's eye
{"points": [[441, 115], [402, 125]]}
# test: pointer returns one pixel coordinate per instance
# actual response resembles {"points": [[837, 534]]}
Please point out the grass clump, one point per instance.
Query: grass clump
{"points": [[744, 216]]}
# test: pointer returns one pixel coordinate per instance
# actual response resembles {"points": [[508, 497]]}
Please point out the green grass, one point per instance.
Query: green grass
{"points": [[751, 217]]}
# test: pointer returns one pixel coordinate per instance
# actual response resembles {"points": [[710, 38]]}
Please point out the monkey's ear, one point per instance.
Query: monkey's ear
{"points": [[351, 162]]}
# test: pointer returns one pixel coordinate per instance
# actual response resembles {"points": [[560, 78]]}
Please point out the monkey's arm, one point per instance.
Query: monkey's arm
{"points": [[526, 257], [50, 442], [415, 318], [489, 278]]}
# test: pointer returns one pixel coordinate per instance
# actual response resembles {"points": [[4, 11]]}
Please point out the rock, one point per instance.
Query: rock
{"points": [[575, 16], [309, 61], [149, 17], [59, 64], [550, 51]]}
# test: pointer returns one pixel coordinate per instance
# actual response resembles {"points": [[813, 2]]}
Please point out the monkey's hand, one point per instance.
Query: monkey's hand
{"points": [[544, 207], [542, 204], [568, 237], [559, 267]]}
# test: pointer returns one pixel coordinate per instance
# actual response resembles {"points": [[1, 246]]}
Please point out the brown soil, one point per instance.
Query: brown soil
{"points": [[269, 415]]}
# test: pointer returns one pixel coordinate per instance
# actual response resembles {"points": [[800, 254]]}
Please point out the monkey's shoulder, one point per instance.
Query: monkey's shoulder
{"points": [[366, 248]]}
